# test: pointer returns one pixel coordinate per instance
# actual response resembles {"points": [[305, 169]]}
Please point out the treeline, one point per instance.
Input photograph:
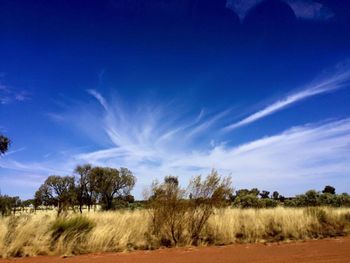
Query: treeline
{"points": [[103, 185], [9, 204], [88, 187], [110, 189], [253, 198]]}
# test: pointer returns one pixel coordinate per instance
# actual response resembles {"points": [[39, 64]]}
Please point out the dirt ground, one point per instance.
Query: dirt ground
{"points": [[327, 250]]}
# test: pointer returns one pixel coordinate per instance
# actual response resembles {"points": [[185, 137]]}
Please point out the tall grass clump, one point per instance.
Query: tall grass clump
{"points": [[25, 235], [68, 234], [277, 224]]}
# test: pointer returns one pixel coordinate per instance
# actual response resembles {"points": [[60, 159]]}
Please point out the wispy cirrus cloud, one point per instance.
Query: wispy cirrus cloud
{"points": [[156, 139], [336, 81], [310, 10], [309, 156], [303, 9], [9, 95]]}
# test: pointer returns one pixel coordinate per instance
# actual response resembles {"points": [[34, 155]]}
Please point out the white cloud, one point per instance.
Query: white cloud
{"points": [[305, 156], [154, 141], [303, 9], [324, 85], [307, 9], [241, 7]]}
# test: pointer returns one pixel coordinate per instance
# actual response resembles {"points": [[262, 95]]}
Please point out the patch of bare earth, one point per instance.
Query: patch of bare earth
{"points": [[327, 250]]}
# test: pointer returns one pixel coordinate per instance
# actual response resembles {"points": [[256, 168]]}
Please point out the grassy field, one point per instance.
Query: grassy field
{"points": [[44, 234]]}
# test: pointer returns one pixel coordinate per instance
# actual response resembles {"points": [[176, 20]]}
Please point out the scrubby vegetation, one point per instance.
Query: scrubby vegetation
{"points": [[45, 234], [245, 198], [94, 212], [177, 220]]}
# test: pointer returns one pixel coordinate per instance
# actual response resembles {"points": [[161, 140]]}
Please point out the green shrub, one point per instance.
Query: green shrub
{"points": [[247, 201], [268, 203]]}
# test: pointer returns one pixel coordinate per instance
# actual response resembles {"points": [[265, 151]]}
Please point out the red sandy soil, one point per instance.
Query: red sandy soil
{"points": [[327, 250]]}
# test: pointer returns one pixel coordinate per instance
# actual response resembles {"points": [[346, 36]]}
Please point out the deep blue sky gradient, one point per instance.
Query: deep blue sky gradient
{"points": [[192, 55]]}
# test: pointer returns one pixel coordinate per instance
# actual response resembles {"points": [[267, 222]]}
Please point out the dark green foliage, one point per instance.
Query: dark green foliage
{"points": [[252, 201], [9, 204], [275, 195], [172, 180], [247, 201], [269, 203], [329, 189], [327, 199], [264, 194], [314, 198], [4, 144], [111, 183], [57, 190], [82, 193], [343, 200], [69, 227], [111, 187]]}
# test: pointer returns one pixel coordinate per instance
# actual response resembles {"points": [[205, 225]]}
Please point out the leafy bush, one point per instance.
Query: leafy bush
{"points": [[247, 201], [176, 220], [168, 211], [343, 200], [268, 203], [252, 201]]}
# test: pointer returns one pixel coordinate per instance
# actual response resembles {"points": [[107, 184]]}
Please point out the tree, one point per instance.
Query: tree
{"points": [[254, 191], [91, 189], [57, 190], [247, 201], [328, 199], [264, 194], [329, 189], [208, 194], [8, 204], [168, 211], [81, 188], [4, 144], [275, 195], [242, 192], [111, 182], [176, 218], [310, 198]]}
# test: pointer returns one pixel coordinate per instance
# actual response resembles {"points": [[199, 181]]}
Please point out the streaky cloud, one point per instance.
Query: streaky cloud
{"points": [[98, 96], [335, 82], [303, 9]]}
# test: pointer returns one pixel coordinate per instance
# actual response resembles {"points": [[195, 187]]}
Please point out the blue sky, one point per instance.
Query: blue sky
{"points": [[256, 89]]}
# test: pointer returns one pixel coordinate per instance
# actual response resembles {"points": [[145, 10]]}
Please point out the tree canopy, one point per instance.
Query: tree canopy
{"points": [[4, 144]]}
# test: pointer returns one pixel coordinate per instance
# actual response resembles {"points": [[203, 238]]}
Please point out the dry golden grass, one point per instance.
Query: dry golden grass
{"points": [[32, 234]]}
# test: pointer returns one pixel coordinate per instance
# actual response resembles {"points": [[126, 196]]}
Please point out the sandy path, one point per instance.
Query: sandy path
{"points": [[328, 250]]}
